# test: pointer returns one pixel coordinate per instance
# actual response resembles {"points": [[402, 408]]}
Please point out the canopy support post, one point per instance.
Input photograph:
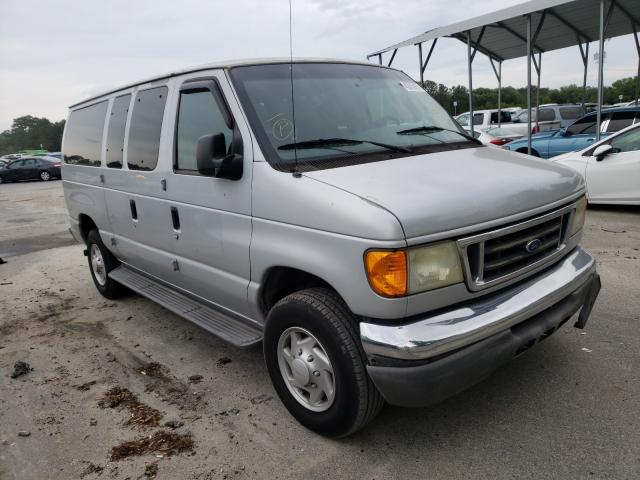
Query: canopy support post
{"points": [[584, 53], [393, 55], [420, 65], [538, 66], [529, 83], [469, 61], [600, 70], [498, 73], [637, 90]]}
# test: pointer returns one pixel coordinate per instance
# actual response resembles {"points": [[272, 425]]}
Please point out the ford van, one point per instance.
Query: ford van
{"points": [[334, 212]]}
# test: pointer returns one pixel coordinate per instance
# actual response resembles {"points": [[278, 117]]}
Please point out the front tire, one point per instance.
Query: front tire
{"points": [[101, 262], [317, 365]]}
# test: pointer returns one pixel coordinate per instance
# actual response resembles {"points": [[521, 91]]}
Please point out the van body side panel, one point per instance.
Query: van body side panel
{"points": [[318, 233], [82, 185], [212, 242]]}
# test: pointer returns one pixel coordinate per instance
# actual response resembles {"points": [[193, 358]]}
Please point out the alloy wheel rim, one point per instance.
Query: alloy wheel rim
{"points": [[45, 176], [97, 265], [306, 369]]}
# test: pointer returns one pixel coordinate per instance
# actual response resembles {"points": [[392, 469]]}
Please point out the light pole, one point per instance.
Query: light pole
{"points": [[455, 108]]}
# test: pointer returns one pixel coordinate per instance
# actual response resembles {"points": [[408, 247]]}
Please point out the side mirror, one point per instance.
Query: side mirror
{"points": [[601, 151], [212, 158]]}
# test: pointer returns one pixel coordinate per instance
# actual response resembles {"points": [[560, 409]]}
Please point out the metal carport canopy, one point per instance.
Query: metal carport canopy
{"points": [[510, 33], [568, 23]]}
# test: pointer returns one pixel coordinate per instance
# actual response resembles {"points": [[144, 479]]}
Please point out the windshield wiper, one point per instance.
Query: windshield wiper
{"points": [[432, 128], [335, 142]]}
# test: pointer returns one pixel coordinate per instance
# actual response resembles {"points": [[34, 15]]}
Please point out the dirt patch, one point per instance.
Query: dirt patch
{"points": [[141, 414], [91, 468], [164, 442]]}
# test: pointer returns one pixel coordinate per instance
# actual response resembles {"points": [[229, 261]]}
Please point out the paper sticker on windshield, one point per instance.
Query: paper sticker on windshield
{"points": [[411, 86]]}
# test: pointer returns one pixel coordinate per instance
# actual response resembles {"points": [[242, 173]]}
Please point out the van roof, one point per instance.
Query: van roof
{"points": [[226, 64]]}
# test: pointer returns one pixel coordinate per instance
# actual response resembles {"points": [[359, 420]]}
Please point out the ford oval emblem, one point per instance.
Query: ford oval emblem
{"points": [[533, 245]]}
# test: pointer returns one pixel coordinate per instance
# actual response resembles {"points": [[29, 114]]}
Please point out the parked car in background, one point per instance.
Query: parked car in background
{"points": [[611, 167], [549, 117], [31, 168], [579, 134], [494, 135], [484, 118]]}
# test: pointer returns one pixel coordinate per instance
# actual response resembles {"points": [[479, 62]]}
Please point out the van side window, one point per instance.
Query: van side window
{"points": [[83, 136], [144, 133], [198, 115], [115, 135]]}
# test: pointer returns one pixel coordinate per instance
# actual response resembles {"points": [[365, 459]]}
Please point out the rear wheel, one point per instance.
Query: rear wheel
{"points": [[101, 262], [317, 365], [45, 176]]}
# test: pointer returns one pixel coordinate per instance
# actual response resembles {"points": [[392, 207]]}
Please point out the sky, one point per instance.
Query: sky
{"points": [[56, 53]]}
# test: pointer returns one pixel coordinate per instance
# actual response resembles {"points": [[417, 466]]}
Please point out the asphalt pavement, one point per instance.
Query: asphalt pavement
{"points": [[568, 408]]}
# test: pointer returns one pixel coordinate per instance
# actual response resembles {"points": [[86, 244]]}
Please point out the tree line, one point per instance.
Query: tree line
{"points": [[31, 133], [485, 98]]}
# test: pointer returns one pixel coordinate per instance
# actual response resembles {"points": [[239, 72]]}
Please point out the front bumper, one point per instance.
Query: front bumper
{"points": [[432, 358]]}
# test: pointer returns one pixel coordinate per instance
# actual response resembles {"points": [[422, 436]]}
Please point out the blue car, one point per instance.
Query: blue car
{"points": [[579, 134]]}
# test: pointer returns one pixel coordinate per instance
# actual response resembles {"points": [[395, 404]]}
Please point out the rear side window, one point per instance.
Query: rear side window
{"points": [[463, 119], [547, 115], [505, 117], [115, 135], [198, 115], [620, 120], [478, 118], [146, 123], [584, 125], [83, 135], [570, 113]]}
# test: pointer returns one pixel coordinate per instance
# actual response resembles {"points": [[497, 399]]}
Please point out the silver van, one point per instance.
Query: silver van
{"points": [[336, 213]]}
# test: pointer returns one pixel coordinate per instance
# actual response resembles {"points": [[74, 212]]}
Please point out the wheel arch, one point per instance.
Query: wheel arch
{"points": [[86, 225], [280, 281]]}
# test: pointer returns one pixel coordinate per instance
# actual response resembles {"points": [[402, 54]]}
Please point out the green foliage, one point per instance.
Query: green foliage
{"points": [[486, 98], [31, 133]]}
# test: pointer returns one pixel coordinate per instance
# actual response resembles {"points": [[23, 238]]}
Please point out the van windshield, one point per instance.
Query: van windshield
{"points": [[342, 114]]}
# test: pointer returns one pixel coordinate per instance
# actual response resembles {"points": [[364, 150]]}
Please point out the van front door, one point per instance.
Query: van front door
{"points": [[209, 219]]}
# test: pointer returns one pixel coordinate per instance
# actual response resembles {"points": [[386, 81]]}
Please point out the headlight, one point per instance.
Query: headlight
{"points": [[578, 216], [417, 269]]}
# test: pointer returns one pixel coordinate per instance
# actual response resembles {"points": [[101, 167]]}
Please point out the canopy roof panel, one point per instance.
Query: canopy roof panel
{"points": [[502, 34]]}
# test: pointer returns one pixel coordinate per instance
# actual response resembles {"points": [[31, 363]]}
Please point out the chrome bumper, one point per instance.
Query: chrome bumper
{"points": [[444, 332]]}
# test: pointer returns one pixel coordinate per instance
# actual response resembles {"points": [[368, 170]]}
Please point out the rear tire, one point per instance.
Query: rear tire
{"points": [[101, 262], [319, 317], [45, 176]]}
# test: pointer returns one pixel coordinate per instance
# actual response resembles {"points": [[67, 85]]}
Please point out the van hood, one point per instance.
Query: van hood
{"points": [[443, 191]]}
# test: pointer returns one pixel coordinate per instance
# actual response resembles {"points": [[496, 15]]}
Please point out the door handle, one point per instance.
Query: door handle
{"points": [[175, 219], [134, 210]]}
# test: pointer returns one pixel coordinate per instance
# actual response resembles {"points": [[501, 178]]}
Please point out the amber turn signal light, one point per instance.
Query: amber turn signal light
{"points": [[387, 272]]}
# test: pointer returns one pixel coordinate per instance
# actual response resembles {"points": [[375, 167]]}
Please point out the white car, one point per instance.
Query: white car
{"points": [[494, 135], [611, 167]]}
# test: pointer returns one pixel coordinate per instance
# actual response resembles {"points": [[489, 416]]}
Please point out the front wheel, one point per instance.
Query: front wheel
{"points": [[101, 262], [317, 365]]}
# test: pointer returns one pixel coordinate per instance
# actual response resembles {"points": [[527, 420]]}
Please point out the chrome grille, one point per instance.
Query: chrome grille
{"points": [[505, 253]]}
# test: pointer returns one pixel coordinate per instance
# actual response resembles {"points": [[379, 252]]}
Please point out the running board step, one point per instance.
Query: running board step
{"points": [[231, 329]]}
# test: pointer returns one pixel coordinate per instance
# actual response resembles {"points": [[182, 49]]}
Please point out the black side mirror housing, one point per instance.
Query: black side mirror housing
{"points": [[213, 160]]}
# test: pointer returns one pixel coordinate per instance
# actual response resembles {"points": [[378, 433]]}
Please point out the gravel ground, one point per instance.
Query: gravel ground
{"points": [[568, 408]]}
